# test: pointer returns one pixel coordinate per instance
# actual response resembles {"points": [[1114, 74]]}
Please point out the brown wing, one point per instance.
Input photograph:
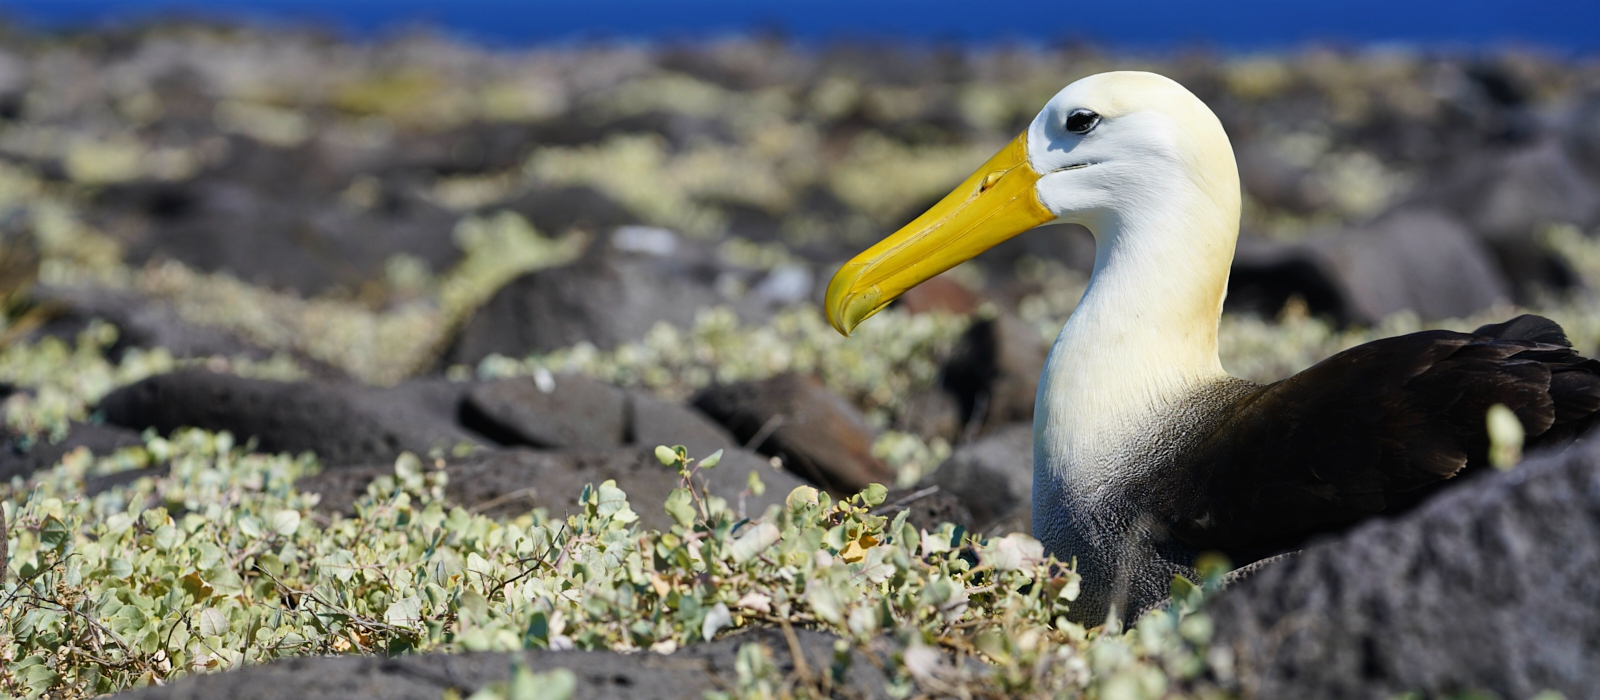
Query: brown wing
{"points": [[1374, 428]]}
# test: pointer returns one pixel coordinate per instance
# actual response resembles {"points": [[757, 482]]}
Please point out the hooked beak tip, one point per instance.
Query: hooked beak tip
{"points": [[846, 305]]}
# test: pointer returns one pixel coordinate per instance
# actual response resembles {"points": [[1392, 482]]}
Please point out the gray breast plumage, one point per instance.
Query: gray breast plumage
{"points": [[1118, 530]]}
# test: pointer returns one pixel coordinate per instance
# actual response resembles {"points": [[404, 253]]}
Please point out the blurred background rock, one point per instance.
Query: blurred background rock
{"points": [[354, 208]]}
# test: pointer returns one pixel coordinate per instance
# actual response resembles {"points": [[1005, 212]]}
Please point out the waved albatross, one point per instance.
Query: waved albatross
{"points": [[1145, 452]]}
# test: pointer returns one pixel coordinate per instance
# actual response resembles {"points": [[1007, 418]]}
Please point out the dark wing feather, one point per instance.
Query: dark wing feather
{"points": [[1374, 428]]}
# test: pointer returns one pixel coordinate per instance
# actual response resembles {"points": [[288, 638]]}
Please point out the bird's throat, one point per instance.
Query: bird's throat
{"points": [[1143, 338]]}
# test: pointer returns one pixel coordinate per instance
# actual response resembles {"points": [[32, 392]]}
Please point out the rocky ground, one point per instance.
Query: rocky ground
{"points": [[531, 268]]}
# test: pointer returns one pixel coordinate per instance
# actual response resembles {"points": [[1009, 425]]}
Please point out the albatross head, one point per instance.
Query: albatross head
{"points": [[1114, 152]]}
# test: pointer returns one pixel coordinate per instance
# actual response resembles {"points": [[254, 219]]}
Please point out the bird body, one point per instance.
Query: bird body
{"points": [[1146, 452]]}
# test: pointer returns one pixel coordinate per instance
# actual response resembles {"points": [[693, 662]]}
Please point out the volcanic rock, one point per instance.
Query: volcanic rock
{"points": [[931, 413], [510, 482], [142, 323], [993, 477], [690, 672], [565, 411], [615, 294], [940, 294], [100, 440], [818, 435], [280, 218], [1507, 196], [652, 421], [554, 211], [1490, 586], [1418, 259], [341, 423], [994, 372]]}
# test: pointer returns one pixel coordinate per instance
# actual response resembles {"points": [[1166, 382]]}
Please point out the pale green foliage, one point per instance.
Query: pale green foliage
{"points": [[1505, 437], [221, 562], [910, 456], [877, 368], [881, 177]]}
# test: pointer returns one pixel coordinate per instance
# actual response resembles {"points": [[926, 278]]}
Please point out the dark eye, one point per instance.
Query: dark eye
{"points": [[1080, 121]]}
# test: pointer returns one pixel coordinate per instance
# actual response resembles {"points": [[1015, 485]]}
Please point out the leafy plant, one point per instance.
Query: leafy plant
{"points": [[221, 562]]}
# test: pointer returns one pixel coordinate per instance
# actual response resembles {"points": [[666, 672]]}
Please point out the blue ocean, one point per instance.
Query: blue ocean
{"points": [[1561, 26]]}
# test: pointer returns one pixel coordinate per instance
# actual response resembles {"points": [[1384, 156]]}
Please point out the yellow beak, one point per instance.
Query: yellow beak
{"points": [[997, 202]]}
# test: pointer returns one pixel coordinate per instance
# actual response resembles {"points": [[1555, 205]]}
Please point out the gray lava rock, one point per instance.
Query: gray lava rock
{"points": [[508, 483], [993, 477], [1582, 135], [690, 672], [147, 323], [574, 412], [278, 217], [1489, 586], [1418, 259], [556, 210], [818, 435], [1273, 180], [931, 413], [652, 421], [994, 372], [1421, 260], [1514, 193], [940, 294], [930, 507], [140, 323], [101, 440], [1505, 197], [581, 413], [341, 423], [623, 286]]}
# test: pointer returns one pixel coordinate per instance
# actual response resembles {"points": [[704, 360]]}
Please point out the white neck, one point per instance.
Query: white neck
{"points": [[1143, 337]]}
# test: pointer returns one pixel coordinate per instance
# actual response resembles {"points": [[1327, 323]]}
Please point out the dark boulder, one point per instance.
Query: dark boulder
{"points": [[818, 435], [341, 423], [147, 323], [577, 412], [1418, 259], [1513, 193], [280, 218], [141, 323], [508, 483], [653, 421], [1266, 274], [561, 411], [993, 477], [930, 507], [1582, 134], [1490, 586], [554, 210], [620, 290], [472, 148], [940, 294], [21, 458], [1071, 245], [1506, 197], [1421, 260], [691, 672], [931, 413], [1276, 182], [994, 372]]}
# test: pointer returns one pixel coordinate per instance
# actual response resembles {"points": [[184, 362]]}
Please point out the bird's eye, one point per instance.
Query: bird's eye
{"points": [[1081, 121]]}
